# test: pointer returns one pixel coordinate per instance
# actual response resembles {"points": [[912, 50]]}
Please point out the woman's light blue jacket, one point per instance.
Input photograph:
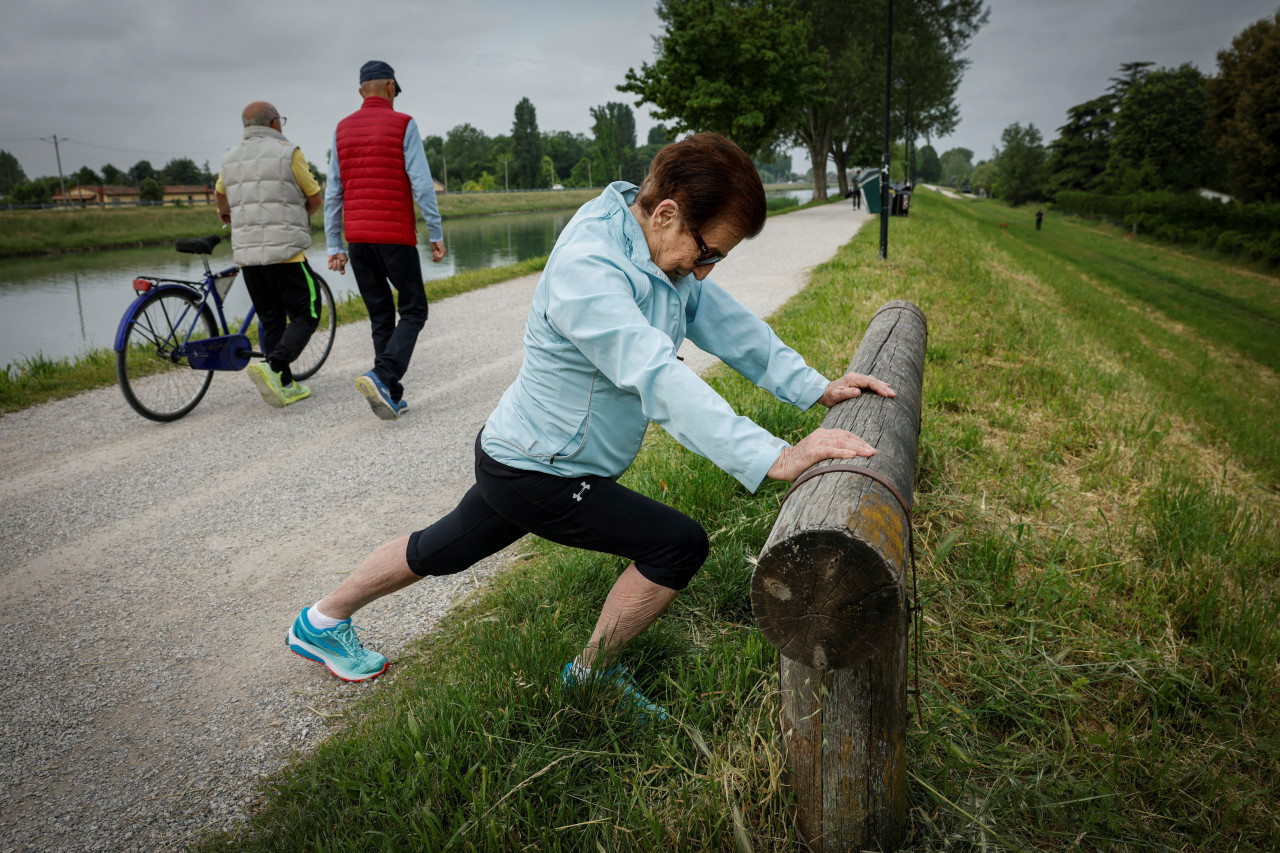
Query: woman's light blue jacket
{"points": [[600, 360]]}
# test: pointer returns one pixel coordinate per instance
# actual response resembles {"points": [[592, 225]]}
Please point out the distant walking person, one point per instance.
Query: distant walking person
{"points": [[1039, 218], [266, 192], [376, 172]]}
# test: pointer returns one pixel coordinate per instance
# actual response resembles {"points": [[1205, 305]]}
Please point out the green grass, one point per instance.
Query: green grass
{"points": [[37, 379], [1099, 562], [38, 232], [485, 204]]}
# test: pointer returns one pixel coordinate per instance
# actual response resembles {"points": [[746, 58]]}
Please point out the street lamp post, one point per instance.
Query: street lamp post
{"points": [[884, 159]]}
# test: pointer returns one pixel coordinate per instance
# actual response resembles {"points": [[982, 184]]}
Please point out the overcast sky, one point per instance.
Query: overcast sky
{"points": [[124, 80]]}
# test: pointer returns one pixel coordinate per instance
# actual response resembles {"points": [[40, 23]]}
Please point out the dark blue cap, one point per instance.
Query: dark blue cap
{"points": [[376, 69]]}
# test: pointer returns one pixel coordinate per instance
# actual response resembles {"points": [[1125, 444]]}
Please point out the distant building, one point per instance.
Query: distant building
{"points": [[189, 194], [116, 195]]}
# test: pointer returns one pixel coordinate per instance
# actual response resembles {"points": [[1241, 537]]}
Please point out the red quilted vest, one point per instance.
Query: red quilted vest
{"points": [[377, 199]]}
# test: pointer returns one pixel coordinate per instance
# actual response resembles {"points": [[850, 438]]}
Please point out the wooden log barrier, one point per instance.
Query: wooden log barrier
{"points": [[830, 592]]}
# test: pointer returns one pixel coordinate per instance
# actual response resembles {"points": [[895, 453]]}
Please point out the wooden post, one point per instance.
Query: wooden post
{"points": [[831, 593]]}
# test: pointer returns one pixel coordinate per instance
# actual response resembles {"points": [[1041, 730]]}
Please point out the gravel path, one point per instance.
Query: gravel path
{"points": [[150, 571]]}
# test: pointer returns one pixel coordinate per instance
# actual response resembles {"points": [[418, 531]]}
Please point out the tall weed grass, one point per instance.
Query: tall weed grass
{"points": [[1099, 560]]}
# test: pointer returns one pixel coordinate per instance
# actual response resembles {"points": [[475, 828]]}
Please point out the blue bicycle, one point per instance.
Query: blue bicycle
{"points": [[175, 335]]}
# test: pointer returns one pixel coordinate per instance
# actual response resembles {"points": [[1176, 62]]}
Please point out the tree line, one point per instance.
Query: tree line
{"points": [[772, 73], [1169, 130], [468, 159], [1170, 152], [464, 159], [16, 188]]}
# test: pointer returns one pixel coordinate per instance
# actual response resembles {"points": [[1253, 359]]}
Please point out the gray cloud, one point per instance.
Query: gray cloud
{"points": [[126, 80]]}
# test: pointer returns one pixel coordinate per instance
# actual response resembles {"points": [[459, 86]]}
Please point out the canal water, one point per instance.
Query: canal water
{"points": [[62, 306]]}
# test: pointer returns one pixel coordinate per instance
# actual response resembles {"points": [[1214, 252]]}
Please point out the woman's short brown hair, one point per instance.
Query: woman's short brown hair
{"points": [[713, 181]]}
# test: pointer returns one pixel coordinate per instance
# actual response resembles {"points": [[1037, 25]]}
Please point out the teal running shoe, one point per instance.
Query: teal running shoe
{"points": [[338, 648], [621, 680]]}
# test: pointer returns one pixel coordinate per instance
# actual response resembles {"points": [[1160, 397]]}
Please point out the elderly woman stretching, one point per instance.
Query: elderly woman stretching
{"points": [[626, 283]]}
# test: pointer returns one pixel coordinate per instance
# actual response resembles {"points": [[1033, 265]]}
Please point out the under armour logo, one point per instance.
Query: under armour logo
{"points": [[582, 491]]}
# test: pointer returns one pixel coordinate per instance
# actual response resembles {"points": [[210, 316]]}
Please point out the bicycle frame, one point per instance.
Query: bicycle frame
{"points": [[204, 289]]}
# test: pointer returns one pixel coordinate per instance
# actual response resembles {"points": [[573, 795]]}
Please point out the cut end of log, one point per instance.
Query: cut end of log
{"points": [[826, 600]]}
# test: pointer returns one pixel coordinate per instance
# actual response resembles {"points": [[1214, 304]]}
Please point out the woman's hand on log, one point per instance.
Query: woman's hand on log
{"points": [[816, 446], [851, 385]]}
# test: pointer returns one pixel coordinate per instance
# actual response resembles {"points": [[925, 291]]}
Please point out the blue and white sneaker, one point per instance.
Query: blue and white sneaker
{"points": [[402, 407], [378, 395], [338, 648], [575, 675]]}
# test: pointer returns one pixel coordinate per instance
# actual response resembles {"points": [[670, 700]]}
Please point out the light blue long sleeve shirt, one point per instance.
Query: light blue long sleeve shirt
{"points": [[600, 360], [415, 166]]}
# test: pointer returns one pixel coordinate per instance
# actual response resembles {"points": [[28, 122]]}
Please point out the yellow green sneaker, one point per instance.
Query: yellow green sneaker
{"points": [[293, 392], [268, 383]]}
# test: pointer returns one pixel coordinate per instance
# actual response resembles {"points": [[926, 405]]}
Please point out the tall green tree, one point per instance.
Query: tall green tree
{"points": [[1019, 170], [86, 177], [502, 160], [774, 165], [1131, 73], [1078, 157], [182, 170], [929, 38], [1160, 132], [469, 151], [957, 166], [985, 176], [735, 67], [526, 147], [38, 191], [1244, 111], [139, 172], [112, 175], [150, 190], [928, 166], [433, 148], [614, 129], [11, 174], [565, 149]]}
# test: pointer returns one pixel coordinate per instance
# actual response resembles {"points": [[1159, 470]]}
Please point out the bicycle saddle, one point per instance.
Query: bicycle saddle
{"points": [[198, 245]]}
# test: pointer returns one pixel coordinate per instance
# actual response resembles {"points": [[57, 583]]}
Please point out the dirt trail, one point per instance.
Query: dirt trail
{"points": [[150, 571]]}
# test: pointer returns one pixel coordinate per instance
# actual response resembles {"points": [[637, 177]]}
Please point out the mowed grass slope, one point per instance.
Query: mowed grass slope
{"points": [[1099, 562]]}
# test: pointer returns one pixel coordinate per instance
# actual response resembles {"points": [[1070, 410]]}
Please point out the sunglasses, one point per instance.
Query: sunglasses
{"points": [[707, 257]]}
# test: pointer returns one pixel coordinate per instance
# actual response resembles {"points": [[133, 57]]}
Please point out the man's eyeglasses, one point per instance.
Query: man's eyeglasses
{"points": [[282, 120], [707, 257]]}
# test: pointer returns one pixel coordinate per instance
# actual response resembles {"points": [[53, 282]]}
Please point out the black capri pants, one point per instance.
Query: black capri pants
{"points": [[593, 513]]}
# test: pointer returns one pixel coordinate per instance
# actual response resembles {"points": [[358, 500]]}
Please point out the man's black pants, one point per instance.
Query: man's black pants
{"points": [[378, 267], [288, 303]]}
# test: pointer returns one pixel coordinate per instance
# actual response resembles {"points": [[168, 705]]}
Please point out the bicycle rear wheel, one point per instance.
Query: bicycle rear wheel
{"points": [[305, 365], [155, 377]]}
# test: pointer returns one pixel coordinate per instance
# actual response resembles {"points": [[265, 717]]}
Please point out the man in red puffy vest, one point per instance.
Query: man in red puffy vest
{"points": [[376, 172]]}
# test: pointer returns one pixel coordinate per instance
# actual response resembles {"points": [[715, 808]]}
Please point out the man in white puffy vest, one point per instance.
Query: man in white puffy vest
{"points": [[267, 193]]}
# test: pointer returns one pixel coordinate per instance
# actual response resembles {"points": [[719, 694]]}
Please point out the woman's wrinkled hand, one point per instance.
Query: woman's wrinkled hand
{"points": [[852, 385], [816, 446]]}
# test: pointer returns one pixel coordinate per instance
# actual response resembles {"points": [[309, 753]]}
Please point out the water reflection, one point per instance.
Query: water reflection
{"points": [[64, 305]]}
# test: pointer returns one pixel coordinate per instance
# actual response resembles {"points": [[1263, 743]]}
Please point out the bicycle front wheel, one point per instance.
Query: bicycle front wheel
{"points": [[155, 376], [306, 364]]}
